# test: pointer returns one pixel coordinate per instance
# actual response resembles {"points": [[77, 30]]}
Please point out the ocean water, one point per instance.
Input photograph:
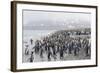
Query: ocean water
{"points": [[35, 34]]}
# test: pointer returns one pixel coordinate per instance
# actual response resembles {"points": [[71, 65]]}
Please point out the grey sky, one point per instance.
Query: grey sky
{"points": [[33, 20]]}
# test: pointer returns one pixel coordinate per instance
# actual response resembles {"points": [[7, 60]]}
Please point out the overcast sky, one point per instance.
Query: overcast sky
{"points": [[33, 20]]}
